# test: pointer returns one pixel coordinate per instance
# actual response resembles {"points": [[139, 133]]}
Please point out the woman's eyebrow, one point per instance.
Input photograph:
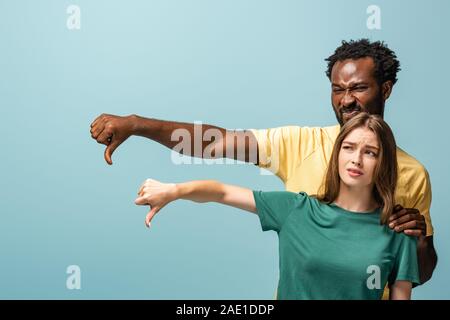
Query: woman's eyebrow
{"points": [[354, 143], [372, 147]]}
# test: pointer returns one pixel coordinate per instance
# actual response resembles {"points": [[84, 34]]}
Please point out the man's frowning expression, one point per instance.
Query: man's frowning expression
{"points": [[354, 89]]}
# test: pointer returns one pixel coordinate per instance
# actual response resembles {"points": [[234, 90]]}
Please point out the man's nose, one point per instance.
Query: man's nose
{"points": [[348, 99]]}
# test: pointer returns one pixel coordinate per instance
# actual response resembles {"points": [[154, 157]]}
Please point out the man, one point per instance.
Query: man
{"points": [[362, 76]]}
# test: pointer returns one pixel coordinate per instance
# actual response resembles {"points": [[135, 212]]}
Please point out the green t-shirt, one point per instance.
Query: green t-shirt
{"points": [[327, 252]]}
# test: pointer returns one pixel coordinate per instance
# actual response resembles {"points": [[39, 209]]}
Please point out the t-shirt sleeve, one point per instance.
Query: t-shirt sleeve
{"points": [[273, 208], [406, 263], [282, 149]]}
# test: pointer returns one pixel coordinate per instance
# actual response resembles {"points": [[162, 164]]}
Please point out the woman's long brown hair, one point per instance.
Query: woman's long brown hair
{"points": [[385, 173]]}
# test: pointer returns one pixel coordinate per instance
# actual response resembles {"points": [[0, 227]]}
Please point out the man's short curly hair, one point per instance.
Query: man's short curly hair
{"points": [[386, 63]]}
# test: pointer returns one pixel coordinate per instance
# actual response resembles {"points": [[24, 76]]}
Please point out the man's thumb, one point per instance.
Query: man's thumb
{"points": [[109, 151], [150, 216]]}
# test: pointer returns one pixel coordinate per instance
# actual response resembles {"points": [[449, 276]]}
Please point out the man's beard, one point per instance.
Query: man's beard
{"points": [[375, 106], [354, 107]]}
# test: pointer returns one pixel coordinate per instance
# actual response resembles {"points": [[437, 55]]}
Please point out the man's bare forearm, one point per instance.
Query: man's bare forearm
{"points": [[206, 141], [163, 131], [427, 258]]}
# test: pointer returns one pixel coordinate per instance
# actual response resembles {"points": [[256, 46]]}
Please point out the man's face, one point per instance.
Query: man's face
{"points": [[355, 89]]}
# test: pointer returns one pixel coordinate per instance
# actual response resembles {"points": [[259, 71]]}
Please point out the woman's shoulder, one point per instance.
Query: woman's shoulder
{"points": [[298, 197], [310, 198], [299, 200], [309, 201], [403, 238]]}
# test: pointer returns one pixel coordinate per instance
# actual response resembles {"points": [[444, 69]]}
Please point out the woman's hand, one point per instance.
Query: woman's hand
{"points": [[155, 194]]}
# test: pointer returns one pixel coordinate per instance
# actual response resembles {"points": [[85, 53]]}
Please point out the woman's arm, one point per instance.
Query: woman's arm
{"points": [[401, 290], [157, 195]]}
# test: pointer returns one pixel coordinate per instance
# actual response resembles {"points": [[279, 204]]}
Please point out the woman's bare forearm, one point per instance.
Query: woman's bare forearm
{"points": [[214, 191], [200, 191], [157, 195]]}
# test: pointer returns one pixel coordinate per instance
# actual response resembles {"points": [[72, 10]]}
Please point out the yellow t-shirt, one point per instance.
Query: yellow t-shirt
{"points": [[299, 157]]}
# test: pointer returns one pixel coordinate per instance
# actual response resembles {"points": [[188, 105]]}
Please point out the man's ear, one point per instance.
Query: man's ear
{"points": [[386, 89]]}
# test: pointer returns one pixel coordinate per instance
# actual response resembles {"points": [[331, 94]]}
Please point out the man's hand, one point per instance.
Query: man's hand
{"points": [[155, 194], [408, 220], [111, 131]]}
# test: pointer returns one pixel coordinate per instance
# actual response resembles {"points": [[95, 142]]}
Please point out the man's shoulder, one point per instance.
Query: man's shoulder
{"points": [[409, 166]]}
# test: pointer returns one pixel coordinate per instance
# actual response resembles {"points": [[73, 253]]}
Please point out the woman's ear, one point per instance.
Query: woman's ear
{"points": [[386, 89]]}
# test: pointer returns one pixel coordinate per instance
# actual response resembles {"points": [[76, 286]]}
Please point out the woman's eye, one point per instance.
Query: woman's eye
{"points": [[371, 153]]}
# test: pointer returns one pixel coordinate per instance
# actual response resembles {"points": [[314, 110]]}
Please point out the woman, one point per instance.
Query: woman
{"points": [[335, 245]]}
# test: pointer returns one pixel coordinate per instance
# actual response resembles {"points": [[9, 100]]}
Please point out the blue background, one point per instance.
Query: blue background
{"points": [[235, 64]]}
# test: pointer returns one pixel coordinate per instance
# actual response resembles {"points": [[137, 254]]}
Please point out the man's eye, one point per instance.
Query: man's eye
{"points": [[360, 88], [337, 90]]}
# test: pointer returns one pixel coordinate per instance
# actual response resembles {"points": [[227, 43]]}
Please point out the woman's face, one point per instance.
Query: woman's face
{"points": [[358, 157]]}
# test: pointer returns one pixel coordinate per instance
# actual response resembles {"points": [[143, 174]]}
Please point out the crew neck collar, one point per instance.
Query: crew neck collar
{"points": [[374, 212]]}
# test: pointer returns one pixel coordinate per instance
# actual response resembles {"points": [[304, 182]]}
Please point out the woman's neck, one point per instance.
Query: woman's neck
{"points": [[356, 199]]}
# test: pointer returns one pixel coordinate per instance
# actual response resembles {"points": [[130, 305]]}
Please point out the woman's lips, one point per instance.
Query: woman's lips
{"points": [[354, 172]]}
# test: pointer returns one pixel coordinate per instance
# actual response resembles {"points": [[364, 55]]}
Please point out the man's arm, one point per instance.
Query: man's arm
{"points": [[427, 258], [400, 290], [207, 141], [411, 222]]}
